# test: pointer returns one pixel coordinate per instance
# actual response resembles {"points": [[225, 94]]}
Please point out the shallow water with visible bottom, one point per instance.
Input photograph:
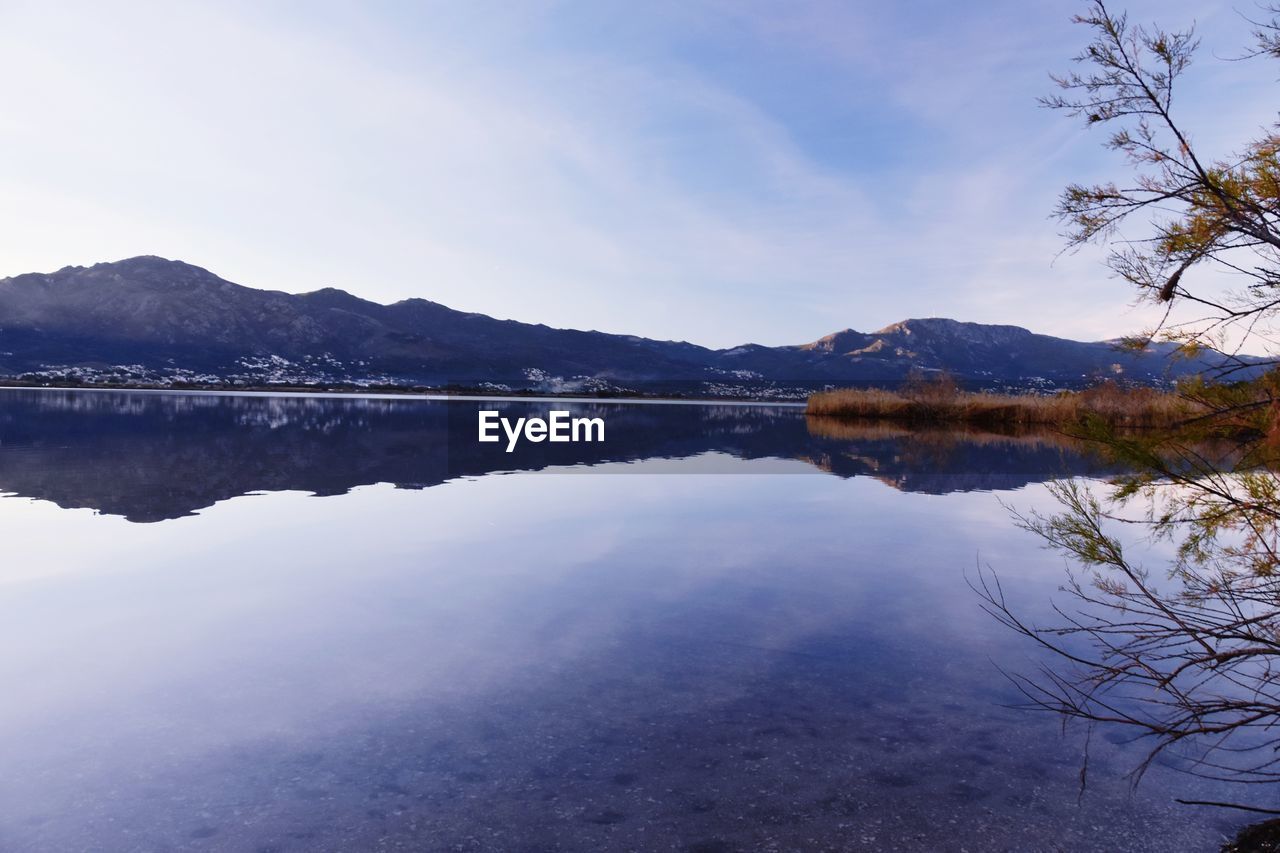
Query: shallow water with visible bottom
{"points": [[252, 623]]}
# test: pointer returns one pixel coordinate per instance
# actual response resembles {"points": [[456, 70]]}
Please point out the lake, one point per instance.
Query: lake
{"points": [[288, 623]]}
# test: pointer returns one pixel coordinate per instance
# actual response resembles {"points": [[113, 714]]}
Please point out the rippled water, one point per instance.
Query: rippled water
{"points": [[295, 623]]}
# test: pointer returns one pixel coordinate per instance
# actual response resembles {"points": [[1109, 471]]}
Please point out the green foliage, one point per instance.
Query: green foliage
{"points": [[1199, 212], [1189, 657]]}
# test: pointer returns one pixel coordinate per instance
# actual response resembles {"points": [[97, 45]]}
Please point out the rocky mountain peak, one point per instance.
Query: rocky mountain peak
{"points": [[155, 320]]}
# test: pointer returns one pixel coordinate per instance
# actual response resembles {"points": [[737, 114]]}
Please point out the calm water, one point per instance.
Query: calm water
{"points": [[288, 624]]}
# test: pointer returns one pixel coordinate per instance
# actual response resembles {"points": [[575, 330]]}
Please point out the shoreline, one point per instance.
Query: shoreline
{"points": [[434, 396]]}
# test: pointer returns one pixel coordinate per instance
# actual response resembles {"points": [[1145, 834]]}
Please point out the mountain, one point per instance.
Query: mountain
{"points": [[157, 321], [150, 457]]}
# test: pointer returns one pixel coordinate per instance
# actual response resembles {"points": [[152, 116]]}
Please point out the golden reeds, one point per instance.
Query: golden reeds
{"points": [[942, 403]]}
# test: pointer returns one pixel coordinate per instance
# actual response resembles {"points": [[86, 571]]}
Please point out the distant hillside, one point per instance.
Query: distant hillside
{"points": [[151, 320]]}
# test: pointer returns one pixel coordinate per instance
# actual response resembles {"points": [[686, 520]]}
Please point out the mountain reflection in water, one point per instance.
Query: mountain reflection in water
{"points": [[443, 660], [86, 448]]}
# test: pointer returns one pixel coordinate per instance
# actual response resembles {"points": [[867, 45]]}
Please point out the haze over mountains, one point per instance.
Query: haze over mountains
{"points": [[156, 321]]}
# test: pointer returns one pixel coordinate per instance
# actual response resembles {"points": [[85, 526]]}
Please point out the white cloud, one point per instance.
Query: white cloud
{"points": [[500, 162]]}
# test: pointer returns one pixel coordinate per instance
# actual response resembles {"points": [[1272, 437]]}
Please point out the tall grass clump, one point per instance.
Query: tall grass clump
{"points": [[940, 401]]}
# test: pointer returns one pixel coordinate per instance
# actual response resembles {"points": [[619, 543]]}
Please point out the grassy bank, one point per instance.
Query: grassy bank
{"points": [[942, 403]]}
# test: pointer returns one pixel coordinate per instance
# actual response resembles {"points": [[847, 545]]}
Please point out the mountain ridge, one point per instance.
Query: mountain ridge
{"points": [[152, 320]]}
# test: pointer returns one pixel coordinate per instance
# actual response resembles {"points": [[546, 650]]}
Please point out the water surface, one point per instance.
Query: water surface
{"points": [[288, 623]]}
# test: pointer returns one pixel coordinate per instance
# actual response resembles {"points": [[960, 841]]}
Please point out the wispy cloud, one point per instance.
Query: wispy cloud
{"points": [[715, 171]]}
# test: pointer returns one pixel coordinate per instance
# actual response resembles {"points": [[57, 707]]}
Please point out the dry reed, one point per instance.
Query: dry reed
{"points": [[940, 402]]}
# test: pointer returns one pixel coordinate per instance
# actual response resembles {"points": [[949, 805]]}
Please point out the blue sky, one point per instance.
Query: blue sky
{"points": [[714, 171]]}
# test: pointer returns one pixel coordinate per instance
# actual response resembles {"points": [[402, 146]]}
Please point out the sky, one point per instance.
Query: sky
{"points": [[718, 171]]}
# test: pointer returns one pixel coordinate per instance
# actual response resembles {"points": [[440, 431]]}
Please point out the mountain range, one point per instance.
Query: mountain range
{"points": [[148, 320], [150, 457]]}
